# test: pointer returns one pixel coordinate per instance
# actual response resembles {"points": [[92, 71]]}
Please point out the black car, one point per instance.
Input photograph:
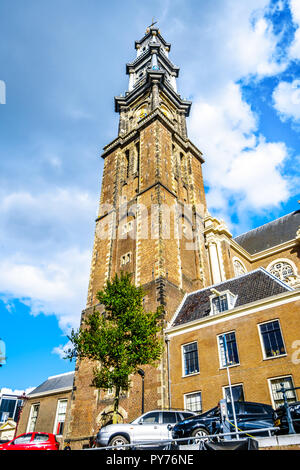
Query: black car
{"points": [[249, 416], [281, 418]]}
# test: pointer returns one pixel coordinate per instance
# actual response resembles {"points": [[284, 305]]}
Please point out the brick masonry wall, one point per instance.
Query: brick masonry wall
{"points": [[161, 264], [253, 371]]}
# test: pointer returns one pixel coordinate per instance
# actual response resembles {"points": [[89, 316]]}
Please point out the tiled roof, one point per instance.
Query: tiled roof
{"points": [[251, 287], [55, 382], [272, 234]]}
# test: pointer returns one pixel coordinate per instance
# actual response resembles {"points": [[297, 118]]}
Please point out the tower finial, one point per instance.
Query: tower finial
{"points": [[150, 26]]}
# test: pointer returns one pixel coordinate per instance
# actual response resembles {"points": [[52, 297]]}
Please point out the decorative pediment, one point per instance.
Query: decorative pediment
{"points": [[9, 425], [214, 226]]}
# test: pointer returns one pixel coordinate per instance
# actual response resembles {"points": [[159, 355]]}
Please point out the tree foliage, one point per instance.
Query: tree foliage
{"points": [[121, 339]]}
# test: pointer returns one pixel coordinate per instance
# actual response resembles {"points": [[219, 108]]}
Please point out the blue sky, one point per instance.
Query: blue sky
{"points": [[63, 61]]}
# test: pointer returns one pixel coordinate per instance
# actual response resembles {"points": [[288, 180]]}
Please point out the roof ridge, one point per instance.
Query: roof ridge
{"points": [[267, 223], [60, 375]]}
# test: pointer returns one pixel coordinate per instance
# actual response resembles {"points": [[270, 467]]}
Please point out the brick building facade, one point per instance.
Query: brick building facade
{"points": [[153, 223]]}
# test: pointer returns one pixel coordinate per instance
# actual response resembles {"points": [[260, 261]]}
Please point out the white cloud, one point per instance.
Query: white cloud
{"points": [[295, 46], [46, 258], [61, 350], [256, 173], [10, 391], [57, 288], [241, 168], [235, 40], [286, 98]]}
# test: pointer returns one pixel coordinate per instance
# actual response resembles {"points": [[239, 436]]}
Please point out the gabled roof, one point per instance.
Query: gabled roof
{"points": [[271, 234], [54, 384], [250, 287]]}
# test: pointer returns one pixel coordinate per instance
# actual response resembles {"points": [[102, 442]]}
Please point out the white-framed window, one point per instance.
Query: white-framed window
{"points": [[60, 417], [237, 392], [271, 339], [190, 359], [193, 401], [282, 269], [239, 267], [127, 227], [222, 301], [228, 351], [34, 411], [276, 395], [125, 259]]}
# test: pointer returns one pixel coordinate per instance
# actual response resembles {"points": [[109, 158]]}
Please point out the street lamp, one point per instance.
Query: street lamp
{"points": [[142, 374]]}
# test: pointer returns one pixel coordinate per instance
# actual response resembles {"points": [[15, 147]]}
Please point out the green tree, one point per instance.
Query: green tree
{"points": [[121, 339]]}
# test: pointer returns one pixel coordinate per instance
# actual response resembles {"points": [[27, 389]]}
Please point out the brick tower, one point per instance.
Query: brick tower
{"points": [[150, 221]]}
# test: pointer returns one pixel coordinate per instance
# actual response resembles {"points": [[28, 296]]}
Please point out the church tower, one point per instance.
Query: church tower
{"points": [[150, 222]]}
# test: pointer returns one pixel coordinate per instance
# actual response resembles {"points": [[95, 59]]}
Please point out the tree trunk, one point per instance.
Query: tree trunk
{"points": [[116, 405]]}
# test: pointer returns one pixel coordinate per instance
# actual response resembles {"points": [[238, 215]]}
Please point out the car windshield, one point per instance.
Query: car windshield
{"points": [[211, 413]]}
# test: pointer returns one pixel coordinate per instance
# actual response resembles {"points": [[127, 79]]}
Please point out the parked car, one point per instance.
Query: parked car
{"points": [[281, 419], [249, 416], [151, 426], [32, 441]]}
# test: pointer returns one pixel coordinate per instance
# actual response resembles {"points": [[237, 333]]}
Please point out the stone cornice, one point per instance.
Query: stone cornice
{"points": [[122, 141], [265, 253], [147, 55], [153, 75]]}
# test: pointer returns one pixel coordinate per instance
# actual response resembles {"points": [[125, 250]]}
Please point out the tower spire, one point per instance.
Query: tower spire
{"points": [[152, 81]]}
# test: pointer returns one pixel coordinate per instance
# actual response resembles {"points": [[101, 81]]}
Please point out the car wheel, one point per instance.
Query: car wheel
{"points": [[118, 442], [200, 432]]}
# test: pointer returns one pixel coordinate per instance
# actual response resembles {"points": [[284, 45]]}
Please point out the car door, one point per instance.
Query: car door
{"points": [[254, 416], [148, 427], [39, 441], [168, 418]]}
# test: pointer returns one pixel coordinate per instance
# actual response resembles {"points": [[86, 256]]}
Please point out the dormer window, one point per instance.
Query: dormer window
{"points": [[219, 304], [221, 301]]}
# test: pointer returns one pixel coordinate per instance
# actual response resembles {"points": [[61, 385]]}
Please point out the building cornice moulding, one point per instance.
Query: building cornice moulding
{"points": [[122, 141], [50, 392], [265, 253]]}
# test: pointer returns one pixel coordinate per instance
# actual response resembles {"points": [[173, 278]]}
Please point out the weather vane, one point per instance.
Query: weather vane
{"points": [[153, 23]]}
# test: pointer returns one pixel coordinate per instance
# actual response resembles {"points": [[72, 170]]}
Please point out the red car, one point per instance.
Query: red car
{"points": [[32, 441]]}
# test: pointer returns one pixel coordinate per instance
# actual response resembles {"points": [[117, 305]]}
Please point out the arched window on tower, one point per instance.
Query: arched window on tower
{"points": [[127, 156], [141, 112], [165, 110], [283, 269]]}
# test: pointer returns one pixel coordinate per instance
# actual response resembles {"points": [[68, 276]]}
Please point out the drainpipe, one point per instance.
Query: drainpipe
{"points": [[167, 340]]}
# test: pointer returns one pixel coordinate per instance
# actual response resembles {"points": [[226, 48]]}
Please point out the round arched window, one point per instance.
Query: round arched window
{"points": [[282, 270], [239, 268]]}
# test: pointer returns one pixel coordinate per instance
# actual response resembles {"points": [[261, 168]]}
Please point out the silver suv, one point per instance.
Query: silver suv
{"points": [[151, 426]]}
